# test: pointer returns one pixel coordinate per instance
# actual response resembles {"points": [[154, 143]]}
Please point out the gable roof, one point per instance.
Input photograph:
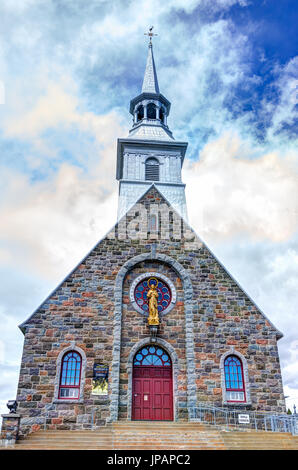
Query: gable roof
{"points": [[152, 188]]}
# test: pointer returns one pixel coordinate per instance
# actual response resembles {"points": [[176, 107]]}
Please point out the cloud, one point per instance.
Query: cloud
{"points": [[57, 107], [285, 113], [55, 219], [56, 222], [232, 192], [291, 368], [53, 109]]}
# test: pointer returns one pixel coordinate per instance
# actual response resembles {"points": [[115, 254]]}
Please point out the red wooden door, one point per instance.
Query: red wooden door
{"points": [[152, 393]]}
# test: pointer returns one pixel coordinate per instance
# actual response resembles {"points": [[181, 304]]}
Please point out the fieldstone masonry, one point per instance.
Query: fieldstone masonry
{"points": [[10, 428], [91, 312]]}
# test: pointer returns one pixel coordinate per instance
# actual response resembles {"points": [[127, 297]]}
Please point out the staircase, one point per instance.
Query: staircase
{"points": [[259, 440], [151, 435]]}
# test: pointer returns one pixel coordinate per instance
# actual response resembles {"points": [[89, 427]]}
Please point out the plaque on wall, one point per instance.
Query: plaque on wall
{"points": [[100, 380]]}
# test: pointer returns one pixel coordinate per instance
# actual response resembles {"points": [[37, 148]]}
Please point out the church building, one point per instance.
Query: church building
{"points": [[150, 323]]}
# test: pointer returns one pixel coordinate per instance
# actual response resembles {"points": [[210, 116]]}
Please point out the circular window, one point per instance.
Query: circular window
{"points": [[164, 294], [165, 288]]}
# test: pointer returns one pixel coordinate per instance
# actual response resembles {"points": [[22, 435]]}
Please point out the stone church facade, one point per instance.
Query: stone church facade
{"points": [[212, 344]]}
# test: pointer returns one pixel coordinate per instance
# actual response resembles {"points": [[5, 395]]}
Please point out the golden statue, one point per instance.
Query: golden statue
{"points": [[152, 296]]}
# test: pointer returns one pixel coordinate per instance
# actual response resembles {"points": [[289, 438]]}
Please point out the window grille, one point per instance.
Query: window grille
{"points": [[152, 169], [70, 376]]}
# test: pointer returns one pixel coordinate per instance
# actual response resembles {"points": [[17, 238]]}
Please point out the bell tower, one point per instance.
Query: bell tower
{"points": [[150, 154]]}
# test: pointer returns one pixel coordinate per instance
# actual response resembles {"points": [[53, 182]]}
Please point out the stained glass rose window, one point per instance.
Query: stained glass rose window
{"points": [[164, 294]]}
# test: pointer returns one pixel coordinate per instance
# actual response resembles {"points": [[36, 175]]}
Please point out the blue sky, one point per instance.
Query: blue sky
{"points": [[68, 71]]}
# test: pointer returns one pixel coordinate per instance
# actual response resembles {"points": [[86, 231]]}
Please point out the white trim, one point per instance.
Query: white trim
{"points": [[71, 347], [225, 401]]}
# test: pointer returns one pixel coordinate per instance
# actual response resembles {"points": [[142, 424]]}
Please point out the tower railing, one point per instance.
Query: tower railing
{"points": [[244, 420]]}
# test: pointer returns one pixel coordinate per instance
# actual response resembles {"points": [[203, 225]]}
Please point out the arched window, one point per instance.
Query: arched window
{"points": [[152, 356], [70, 377], [140, 113], [151, 111], [234, 380], [152, 169]]}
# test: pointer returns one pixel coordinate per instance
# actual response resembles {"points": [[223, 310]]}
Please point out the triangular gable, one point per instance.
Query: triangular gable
{"points": [[143, 199]]}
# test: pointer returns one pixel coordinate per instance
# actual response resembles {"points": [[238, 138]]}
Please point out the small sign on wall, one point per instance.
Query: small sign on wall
{"points": [[100, 380], [243, 419]]}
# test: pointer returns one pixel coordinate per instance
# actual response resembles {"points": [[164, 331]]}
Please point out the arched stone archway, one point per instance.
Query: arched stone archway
{"points": [[189, 340], [175, 371]]}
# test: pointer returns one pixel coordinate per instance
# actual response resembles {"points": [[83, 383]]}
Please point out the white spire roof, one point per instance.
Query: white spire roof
{"points": [[150, 83], [150, 109], [153, 132]]}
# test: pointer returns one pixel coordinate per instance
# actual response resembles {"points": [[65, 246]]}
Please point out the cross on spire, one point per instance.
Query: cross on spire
{"points": [[150, 34]]}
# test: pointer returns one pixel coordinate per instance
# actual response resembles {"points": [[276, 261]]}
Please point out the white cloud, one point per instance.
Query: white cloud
{"points": [[285, 112], [55, 223], [53, 109], [231, 193], [290, 371], [19, 5], [57, 107]]}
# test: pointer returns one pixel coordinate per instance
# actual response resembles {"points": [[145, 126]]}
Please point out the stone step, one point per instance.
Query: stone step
{"points": [[124, 446], [125, 438], [157, 436], [132, 448], [127, 441]]}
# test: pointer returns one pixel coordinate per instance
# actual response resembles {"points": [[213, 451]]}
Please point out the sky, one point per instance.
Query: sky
{"points": [[68, 70]]}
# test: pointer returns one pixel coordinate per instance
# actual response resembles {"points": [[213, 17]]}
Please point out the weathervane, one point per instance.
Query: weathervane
{"points": [[150, 34]]}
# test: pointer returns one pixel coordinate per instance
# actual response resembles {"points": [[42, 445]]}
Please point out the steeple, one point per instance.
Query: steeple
{"points": [[150, 82], [150, 109], [149, 154]]}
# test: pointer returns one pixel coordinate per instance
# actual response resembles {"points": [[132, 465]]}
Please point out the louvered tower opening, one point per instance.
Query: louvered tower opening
{"points": [[152, 169]]}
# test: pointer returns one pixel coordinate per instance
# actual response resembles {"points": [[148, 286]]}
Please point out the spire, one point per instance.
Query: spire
{"points": [[150, 83], [150, 109]]}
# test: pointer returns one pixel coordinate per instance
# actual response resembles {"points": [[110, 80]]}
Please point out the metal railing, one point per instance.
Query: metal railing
{"points": [[244, 420]]}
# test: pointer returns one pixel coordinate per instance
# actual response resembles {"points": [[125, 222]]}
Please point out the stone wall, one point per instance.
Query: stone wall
{"points": [[225, 319], [10, 429], [90, 311]]}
